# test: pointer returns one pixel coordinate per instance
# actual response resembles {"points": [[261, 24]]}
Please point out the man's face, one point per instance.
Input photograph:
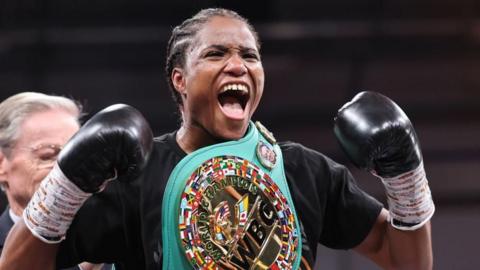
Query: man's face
{"points": [[31, 158], [222, 81]]}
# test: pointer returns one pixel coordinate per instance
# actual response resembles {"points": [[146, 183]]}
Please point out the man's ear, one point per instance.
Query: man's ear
{"points": [[3, 168], [178, 80]]}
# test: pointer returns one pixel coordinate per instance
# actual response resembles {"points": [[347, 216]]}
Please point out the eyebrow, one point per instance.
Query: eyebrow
{"points": [[45, 145], [224, 48]]}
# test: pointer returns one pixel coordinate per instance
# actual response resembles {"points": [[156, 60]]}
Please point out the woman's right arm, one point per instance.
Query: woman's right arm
{"points": [[24, 251]]}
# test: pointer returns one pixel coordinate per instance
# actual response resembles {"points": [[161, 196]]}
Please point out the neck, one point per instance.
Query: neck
{"points": [[15, 207], [191, 138]]}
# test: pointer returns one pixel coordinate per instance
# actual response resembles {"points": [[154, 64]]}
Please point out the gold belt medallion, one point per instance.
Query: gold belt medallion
{"points": [[233, 216]]}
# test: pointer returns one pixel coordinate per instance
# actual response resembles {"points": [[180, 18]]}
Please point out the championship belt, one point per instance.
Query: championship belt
{"points": [[228, 206]]}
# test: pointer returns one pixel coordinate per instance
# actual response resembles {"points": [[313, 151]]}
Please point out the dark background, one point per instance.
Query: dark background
{"points": [[424, 54]]}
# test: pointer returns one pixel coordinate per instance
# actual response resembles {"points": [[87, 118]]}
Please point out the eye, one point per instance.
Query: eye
{"points": [[47, 153], [214, 54], [251, 56]]}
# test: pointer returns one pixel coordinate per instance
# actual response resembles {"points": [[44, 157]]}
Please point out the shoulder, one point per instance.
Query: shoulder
{"points": [[306, 167], [166, 144], [165, 156], [163, 141], [297, 156], [6, 224], [294, 150]]}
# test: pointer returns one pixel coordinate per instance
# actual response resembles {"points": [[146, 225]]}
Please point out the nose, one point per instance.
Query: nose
{"points": [[236, 65]]}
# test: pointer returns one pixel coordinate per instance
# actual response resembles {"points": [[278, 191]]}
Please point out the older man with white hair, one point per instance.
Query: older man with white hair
{"points": [[33, 129]]}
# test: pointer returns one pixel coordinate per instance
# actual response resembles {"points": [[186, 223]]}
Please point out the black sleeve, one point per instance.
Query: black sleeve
{"points": [[333, 209], [350, 212], [105, 230]]}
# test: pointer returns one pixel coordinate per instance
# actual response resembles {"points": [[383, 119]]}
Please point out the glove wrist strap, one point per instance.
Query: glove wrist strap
{"points": [[409, 199], [52, 208]]}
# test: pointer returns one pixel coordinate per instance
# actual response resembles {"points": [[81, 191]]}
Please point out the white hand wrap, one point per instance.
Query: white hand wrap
{"points": [[409, 199], [52, 208]]}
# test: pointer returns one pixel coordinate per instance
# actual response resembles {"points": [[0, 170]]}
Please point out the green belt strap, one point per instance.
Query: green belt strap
{"points": [[173, 253]]}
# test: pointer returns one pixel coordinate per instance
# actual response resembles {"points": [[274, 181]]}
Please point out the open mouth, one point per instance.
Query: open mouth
{"points": [[233, 99]]}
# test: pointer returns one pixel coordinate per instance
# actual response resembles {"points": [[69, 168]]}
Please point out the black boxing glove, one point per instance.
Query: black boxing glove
{"points": [[378, 137], [115, 142]]}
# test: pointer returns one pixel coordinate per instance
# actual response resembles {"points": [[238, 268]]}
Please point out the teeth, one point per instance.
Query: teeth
{"points": [[235, 87]]}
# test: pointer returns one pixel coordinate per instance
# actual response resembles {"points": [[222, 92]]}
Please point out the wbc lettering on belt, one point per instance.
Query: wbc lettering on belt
{"points": [[233, 216]]}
